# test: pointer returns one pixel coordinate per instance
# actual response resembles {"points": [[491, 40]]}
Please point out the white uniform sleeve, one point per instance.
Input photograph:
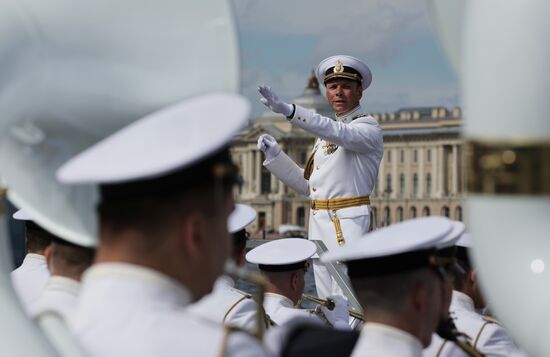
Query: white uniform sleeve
{"points": [[244, 315], [362, 135], [240, 344], [494, 341], [287, 171]]}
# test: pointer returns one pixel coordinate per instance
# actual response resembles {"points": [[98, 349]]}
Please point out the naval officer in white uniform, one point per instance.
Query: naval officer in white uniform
{"points": [[484, 333], [342, 170], [399, 280], [226, 304], [166, 184], [284, 262], [30, 278]]}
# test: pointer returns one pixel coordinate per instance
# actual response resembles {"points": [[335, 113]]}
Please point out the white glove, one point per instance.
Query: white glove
{"points": [[272, 101], [269, 146], [339, 316]]}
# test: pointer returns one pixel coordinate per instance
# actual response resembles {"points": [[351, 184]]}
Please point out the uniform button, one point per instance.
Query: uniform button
{"points": [[314, 189], [317, 167], [314, 212]]}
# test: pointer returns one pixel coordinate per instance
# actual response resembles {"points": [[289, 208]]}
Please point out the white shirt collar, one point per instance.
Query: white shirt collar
{"points": [[61, 282], [352, 114], [461, 301], [35, 258], [376, 337], [224, 281], [283, 300], [149, 278]]}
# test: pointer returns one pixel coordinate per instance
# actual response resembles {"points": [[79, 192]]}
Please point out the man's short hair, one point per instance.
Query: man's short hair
{"points": [[37, 239], [239, 242], [464, 261], [71, 259], [148, 205], [389, 292]]}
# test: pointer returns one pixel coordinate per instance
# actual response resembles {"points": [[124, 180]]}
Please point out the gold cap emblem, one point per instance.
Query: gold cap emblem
{"points": [[338, 68]]}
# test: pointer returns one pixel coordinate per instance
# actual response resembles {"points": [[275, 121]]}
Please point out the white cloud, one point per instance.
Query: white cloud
{"points": [[375, 29]]}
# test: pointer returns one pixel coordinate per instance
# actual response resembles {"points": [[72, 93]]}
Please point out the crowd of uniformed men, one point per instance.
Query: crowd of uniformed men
{"points": [[157, 282]]}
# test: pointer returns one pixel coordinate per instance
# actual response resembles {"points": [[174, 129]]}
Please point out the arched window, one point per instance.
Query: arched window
{"points": [[426, 211], [445, 211], [428, 184], [388, 183], [387, 216], [301, 216], [415, 185], [374, 217], [458, 213], [400, 214], [413, 212], [402, 184]]}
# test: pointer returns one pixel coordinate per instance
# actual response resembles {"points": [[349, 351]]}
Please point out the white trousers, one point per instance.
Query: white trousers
{"points": [[322, 228]]}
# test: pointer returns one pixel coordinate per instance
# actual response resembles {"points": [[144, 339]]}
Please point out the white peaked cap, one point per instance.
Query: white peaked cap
{"points": [[22, 215], [346, 61], [241, 217], [407, 236], [453, 236], [284, 251], [466, 240], [162, 142]]}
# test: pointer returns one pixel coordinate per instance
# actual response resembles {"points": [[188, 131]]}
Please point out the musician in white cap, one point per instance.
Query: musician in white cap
{"points": [[30, 278], [166, 184], [482, 332], [399, 280], [341, 172], [285, 262], [226, 304]]}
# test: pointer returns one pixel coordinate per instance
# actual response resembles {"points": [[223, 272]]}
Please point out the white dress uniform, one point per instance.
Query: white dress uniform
{"points": [[228, 306], [486, 334], [282, 311], [378, 340], [345, 164], [30, 278], [129, 310], [59, 295], [346, 158]]}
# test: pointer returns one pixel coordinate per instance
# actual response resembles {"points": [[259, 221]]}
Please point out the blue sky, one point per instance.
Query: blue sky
{"points": [[282, 41]]}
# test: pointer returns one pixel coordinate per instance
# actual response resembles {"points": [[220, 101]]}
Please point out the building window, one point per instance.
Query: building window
{"points": [[415, 155], [387, 216], [375, 189], [301, 216], [445, 211], [415, 185], [458, 213], [389, 156], [374, 217], [402, 184], [261, 221], [303, 157], [388, 183], [266, 181], [429, 155], [426, 211], [400, 214], [428, 184], [402, 156], [413, 212]]}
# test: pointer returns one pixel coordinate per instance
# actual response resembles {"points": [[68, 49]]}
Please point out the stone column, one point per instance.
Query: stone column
{"points": [[454, 188], [258, 168]]}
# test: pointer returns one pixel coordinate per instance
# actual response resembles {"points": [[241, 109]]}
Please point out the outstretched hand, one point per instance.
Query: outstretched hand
{"points": [[272, 101]]}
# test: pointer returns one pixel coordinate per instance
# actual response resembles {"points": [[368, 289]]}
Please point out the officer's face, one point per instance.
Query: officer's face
{"points": [[343, 94]]}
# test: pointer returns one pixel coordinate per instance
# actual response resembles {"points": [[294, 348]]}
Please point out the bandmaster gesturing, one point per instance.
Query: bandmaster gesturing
{"points": [[341, 172]]}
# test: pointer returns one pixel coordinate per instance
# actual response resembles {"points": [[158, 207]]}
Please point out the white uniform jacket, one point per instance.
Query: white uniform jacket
{"points": [[486, 335], [346, 168], [378, 340], [129, 310], [227, 305], [30, 278], [59, 295], [282, 310]]}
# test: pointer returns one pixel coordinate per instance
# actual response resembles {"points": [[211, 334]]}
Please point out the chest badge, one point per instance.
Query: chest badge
{"points": [[329, 148]]}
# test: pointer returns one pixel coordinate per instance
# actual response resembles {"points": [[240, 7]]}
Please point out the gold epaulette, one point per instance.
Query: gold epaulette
{"points": [[490, 319]]}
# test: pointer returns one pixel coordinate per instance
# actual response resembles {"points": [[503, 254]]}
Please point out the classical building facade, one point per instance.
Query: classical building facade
{"points": [[421, 173]]}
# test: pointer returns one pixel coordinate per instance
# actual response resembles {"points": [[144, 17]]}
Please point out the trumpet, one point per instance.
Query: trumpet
{"points": [[261, 282], [329, 304]]}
